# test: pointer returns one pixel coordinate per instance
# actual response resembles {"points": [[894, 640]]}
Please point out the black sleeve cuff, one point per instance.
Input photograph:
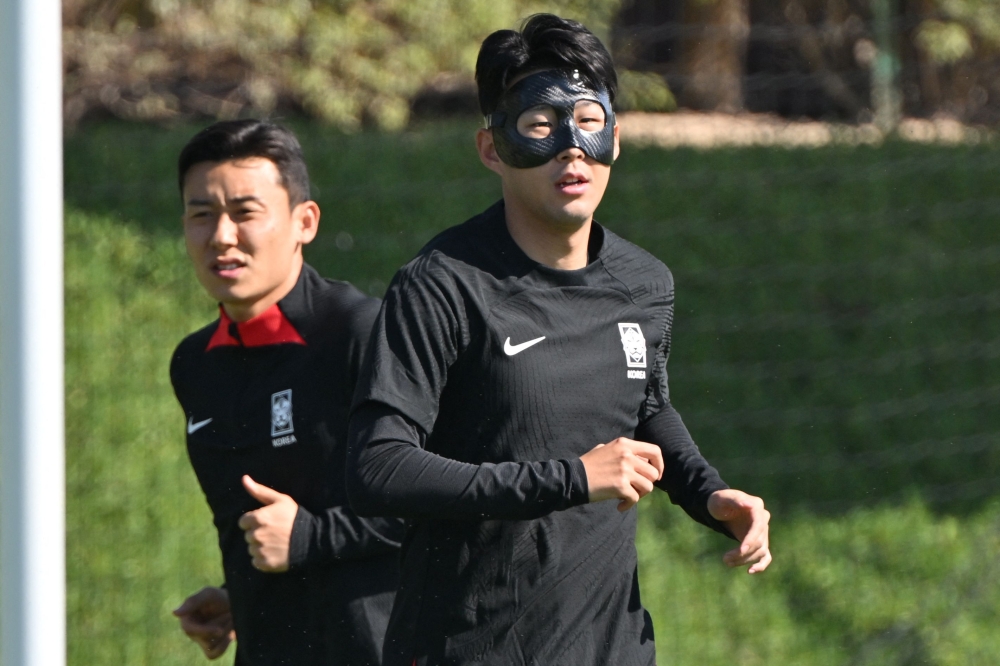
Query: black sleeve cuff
{"points": [[302, 535], [579, 490]]}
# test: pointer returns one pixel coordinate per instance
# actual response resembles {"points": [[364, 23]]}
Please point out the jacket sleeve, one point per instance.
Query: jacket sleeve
{"points": [[419, 335], [390, 473], [688, 478], [339, 534]]}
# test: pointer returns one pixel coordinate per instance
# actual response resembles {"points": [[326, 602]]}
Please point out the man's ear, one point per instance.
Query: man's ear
{"points": [[305, 217], [618, 148], [488, 151]]}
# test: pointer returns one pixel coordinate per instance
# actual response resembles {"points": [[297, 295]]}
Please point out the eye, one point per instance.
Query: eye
{"points": [[244, 212], [199, 215], [537, 122], [589, 116]]}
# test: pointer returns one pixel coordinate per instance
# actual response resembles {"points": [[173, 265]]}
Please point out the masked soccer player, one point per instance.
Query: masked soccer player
{"points": [[266, 391], [517, 379]]}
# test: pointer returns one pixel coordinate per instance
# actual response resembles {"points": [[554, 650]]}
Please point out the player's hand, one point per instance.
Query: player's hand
{"points": [[747, 519], [206, 619], [623, 470], [268, 530]]}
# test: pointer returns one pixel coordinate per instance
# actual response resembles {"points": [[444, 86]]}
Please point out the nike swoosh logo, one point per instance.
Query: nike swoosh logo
{"points": [[194, 427], [510, 349]]}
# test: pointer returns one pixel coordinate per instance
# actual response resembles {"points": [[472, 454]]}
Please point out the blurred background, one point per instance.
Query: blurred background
{"points": [[820, 175]]}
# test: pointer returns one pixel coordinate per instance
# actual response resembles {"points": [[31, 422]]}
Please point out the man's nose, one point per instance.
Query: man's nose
{"points": [[226, 232], [571, 154]]}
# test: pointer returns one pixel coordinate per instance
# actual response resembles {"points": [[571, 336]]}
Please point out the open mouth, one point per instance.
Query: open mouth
{"points": [[572, 183], [227, 267]]}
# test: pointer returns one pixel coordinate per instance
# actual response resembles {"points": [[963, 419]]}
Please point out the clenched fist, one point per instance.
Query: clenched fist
{"points": [[268, 530], [623, 470]]}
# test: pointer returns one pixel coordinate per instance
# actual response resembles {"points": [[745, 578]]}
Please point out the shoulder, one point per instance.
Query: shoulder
{"points": [[464, 245], [462, 241], [644, 275], [188, 355], [340, 307], [467, 253]]}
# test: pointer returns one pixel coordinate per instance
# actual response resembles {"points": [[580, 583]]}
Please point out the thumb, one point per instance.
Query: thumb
{"points": [[262, 494]]}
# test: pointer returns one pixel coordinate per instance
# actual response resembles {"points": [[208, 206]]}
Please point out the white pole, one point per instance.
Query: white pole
{"points": [[32, 487]]}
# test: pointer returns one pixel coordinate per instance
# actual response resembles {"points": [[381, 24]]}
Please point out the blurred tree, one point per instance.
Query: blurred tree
{"points": [[818, 58], [804, 58], [949, 35], [697, 46], [953, 53], [714, 54], [348, 62], [643, 91], [378, 62]]}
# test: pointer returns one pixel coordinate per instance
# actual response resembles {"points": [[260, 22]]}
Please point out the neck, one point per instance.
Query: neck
{"points": [[241, 311], [561, 245]]}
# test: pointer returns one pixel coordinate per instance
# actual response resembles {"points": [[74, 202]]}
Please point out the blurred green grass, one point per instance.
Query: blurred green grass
{"points": [[836, 350]]}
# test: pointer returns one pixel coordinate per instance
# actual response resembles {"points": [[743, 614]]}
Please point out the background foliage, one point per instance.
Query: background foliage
{"points": [[347, 62], [377, 63], [836, 351]]}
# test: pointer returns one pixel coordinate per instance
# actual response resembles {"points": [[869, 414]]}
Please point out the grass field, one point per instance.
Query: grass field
{"points": [[837, 350]]}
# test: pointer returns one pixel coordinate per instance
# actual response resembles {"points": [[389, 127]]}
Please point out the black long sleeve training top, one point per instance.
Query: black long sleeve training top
{"points": [[270, 398], [488, 376]]}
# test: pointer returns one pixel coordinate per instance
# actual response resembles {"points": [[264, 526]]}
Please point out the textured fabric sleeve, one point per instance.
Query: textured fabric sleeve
{"points": [[419, 334], [176, 381], [389, 473], [339, 534], [687, 477], [360, 320], [416, 338]]}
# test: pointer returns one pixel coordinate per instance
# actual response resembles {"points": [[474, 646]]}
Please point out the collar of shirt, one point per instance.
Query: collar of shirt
{"points": [[275, 326]]}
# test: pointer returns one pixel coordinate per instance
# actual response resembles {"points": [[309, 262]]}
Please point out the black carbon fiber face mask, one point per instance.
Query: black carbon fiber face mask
{"points": [[560, 89]]}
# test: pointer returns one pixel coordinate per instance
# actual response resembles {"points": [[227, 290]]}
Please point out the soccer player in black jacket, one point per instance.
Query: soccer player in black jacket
{"points": [[266, 392], [516, 379]]}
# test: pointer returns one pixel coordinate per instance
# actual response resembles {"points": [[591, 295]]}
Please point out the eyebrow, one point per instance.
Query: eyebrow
{"points": [[237, 200]]}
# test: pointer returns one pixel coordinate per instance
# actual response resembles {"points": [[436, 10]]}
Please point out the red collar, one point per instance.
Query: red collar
{"points": [[270, 327]]}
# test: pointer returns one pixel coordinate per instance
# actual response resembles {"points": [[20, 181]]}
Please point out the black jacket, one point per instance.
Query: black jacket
{"points": [[270, 398], [488, 377]]}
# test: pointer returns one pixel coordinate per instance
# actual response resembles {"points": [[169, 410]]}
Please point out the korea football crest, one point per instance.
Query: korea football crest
{"points": [[281, 418], [634, 344]]}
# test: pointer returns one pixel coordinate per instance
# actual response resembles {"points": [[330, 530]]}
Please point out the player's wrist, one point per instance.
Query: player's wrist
{"points": [[302, 541]]}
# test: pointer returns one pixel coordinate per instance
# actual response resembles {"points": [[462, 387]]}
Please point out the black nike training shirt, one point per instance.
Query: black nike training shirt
{"points": [[270, 398], [488, 376]]}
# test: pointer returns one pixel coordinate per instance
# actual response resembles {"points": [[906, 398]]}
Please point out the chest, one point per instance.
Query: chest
{"points": [[274, 413], [558, 371], [594, 335], [259, 397]]}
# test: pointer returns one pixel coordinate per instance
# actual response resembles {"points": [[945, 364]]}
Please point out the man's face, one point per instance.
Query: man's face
{"points": [[243, 237], [567, 189]]}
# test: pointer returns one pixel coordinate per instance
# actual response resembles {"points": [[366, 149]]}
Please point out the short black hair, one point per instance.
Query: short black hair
{"points": [[545, 41], [239, 139]]}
